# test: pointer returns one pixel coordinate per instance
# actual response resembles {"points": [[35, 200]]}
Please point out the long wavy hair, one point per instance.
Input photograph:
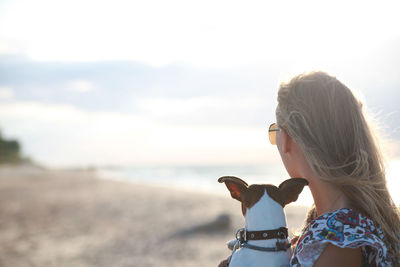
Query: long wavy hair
{"points": [[327, 121]]}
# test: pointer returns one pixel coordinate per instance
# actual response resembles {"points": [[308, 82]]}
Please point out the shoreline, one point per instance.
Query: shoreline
{"points": [[74, 218]]}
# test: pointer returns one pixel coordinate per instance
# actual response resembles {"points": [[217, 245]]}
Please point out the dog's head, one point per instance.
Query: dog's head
{"points": [[287, 192]]}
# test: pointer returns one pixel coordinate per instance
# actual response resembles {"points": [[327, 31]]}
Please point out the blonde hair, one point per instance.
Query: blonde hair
{"points": [[327, 121]]}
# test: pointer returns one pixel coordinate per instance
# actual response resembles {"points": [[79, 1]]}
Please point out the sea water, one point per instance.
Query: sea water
{"points": [[204, 178]]}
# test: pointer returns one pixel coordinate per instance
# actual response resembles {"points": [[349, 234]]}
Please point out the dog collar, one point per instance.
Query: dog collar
{"points": [[243, 235]]}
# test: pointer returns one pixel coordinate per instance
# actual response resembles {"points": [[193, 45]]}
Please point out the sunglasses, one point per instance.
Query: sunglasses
{"points": [[273, 128]]}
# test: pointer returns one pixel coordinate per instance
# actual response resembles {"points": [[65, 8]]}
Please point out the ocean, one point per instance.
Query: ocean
{"points": [[204, 178]]}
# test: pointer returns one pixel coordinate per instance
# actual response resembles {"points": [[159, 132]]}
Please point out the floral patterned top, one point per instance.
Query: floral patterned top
{"points": [[343, 228]]}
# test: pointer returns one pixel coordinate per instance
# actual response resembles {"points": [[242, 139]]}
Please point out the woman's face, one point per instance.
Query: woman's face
{"points": [[280, 145], [287, 150]]}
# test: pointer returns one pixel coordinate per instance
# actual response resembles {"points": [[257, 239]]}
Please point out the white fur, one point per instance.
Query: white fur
{"points": [[266, 214]]}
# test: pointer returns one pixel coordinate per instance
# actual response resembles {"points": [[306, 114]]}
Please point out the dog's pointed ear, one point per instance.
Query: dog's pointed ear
{"points": [[235, 185], [290, 189]]}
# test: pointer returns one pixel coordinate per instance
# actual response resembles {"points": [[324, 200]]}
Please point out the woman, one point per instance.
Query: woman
{"points": [[323, 136]]}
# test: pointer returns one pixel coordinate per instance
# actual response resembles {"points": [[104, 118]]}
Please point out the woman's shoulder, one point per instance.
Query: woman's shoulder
{"points": [[344, 228]]}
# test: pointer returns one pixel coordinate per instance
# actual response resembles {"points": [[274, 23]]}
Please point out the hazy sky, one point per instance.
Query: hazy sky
{"points": [[120, 82]]}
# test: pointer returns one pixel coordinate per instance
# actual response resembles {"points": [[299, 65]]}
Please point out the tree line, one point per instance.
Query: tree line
{"points": [[10, 152]]}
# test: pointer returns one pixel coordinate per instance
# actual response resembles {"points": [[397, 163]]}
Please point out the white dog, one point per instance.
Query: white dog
{"points": [[264, 239]]}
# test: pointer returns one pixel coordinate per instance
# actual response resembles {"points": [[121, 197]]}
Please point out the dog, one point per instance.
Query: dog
{"points": [[264, 239]]}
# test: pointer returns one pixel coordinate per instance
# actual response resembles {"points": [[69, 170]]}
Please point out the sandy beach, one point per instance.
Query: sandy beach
{"points": [[71, 218]]}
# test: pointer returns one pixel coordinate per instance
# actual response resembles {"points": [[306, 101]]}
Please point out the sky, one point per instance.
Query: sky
{"points": [[181, 82]]}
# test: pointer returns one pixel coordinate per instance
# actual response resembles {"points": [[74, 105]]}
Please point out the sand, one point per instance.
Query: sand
{"points": [[72, 218]]}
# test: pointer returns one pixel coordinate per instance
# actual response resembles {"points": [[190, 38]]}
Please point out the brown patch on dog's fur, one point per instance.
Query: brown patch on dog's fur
{"points": [[288, 191], [275, 194], [254, 192]]}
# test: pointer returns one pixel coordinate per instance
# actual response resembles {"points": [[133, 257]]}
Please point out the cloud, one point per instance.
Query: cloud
{"points": [[121, 86], [230, 110], [6, 92], [80, 86], [61, 135]]}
